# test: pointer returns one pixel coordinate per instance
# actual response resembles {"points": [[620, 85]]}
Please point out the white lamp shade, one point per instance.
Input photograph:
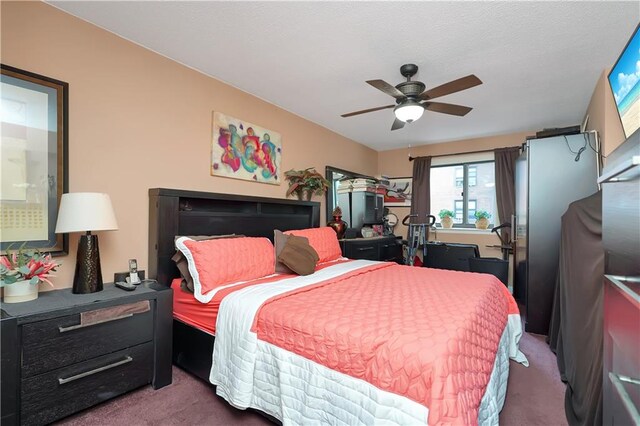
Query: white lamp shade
{"points": [[409, 111], [85, 211]]}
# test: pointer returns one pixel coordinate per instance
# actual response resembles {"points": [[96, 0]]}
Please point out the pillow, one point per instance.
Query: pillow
{"points": [[279, 241], [215, 263], [181, 262], [323, 240], [297, 256]]}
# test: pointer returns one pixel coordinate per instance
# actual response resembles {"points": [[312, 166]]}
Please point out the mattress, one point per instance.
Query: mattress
{"points": [[203, 316], [188, 310], [324, 375]]}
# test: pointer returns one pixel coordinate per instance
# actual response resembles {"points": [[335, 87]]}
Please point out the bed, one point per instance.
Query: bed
{"points": [[317, 348]]}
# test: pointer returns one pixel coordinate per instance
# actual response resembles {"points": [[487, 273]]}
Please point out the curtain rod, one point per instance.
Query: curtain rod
{"points": [[462, 153]]}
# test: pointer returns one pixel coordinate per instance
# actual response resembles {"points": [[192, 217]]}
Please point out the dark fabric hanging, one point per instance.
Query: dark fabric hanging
{"points": [[421, 193], [505, 165], [575, 332]]}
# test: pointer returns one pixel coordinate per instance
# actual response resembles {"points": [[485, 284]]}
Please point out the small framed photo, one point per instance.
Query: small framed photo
{"points": [[398, 193]]}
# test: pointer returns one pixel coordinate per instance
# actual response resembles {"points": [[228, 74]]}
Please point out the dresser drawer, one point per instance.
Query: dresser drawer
{"points": [[621, 351], [59, 342], [59, 393], [368, 251], [390, 251]]}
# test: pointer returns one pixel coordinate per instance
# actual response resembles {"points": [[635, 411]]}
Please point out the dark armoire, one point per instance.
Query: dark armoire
{"points": [[551, 173]]}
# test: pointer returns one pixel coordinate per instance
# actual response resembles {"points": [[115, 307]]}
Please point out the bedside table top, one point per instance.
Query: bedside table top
{"points": [[63, 299]]}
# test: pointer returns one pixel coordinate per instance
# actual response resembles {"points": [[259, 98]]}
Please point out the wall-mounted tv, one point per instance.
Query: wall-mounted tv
{"points": [[624, 80]]}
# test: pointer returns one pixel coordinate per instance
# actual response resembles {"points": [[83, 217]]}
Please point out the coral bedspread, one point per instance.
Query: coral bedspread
{"points": [[427, 334]]}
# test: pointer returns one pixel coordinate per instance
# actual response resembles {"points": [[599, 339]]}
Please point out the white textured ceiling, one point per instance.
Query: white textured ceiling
{"points": [[539, 61]]}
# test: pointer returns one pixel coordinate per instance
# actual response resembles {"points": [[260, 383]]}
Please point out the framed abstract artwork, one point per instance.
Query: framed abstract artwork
{"points": [[34, 159], [398, 194], [242, 150]]}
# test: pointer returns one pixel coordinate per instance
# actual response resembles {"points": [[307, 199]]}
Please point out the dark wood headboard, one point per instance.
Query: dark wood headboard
{"points": [[175, 212]]}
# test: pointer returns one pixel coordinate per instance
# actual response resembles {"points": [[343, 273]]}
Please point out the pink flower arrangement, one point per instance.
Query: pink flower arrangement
{"points": [[26, 265]]}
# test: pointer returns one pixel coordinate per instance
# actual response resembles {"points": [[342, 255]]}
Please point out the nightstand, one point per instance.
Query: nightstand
{"points": [[64, 352]]}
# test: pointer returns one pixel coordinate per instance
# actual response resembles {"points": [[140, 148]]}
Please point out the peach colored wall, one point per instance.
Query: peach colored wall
{"points": [[139, 120], [395, 163], [603, 116]]}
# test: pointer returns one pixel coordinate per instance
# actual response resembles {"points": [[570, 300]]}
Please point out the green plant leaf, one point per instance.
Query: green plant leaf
{"points": [[445, 213], [10, 279], [24, 270], [34, 280]]}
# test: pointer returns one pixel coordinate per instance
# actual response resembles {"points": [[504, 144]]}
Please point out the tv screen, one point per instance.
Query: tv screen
{"points": [[624, 80]]}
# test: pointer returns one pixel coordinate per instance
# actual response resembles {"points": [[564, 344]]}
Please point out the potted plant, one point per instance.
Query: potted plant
{"points": [[21, 271], [305, 183], [446, 218], [482, 219]]}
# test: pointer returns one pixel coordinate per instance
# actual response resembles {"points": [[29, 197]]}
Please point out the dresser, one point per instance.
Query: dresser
{"points": [[620, 230], [64, 352], [387, 248]]}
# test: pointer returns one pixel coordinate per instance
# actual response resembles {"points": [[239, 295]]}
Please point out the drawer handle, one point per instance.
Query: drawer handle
{"points": [[618, 173], [618, 281], [79, 326], [126, 360], [624, 396], [365, 248], [631, 380]]}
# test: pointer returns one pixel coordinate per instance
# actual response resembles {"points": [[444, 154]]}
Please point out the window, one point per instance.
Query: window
{"points": [[458, 210], [473, 175], [459, 177], [464, 189]]}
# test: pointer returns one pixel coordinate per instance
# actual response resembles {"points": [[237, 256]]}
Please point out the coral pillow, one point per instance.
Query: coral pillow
{"points": [[215, 264], [183, 265], [323, 240]]}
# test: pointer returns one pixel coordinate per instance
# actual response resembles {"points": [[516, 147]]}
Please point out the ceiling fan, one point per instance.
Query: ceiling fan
{"points": [[412, 99]]}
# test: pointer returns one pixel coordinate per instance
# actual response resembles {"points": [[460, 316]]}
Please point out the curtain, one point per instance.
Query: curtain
{"points": [[421, 192], [505, 163]]}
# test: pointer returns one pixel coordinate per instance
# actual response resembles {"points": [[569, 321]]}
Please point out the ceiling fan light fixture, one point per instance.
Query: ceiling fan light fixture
{"points": [[408, 111]]}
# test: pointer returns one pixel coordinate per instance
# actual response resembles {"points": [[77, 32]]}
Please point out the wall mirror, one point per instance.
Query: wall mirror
{"points": [[334, 175]]}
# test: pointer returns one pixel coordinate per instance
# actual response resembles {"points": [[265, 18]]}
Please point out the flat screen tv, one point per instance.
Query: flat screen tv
{"points": [[624, 80]]}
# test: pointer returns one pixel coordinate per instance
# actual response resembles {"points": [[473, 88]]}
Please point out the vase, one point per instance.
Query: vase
{"points": [[20, 291], [338, 225], [482, 223], [446, 222], [305, 195]]}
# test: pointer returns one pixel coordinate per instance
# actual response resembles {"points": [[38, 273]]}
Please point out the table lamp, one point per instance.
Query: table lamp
{"points": [[86, 212]]}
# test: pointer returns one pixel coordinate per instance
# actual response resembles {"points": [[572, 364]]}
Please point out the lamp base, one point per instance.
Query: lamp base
{"points": [[88, 276]]}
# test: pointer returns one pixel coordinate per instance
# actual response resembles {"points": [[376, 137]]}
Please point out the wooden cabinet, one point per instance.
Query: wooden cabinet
{"points": [[63, 353], [620, 229], [621, 351], [378, 248]]}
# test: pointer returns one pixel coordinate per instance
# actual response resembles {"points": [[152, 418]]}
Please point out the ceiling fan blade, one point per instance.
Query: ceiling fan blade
{"points": [[350, 114], [451, 87], [397, 124], [386, 88], [447, 108]]}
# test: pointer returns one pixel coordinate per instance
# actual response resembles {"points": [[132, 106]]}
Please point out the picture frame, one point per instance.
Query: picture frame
{"points": [[35, 160], [399, 191]]}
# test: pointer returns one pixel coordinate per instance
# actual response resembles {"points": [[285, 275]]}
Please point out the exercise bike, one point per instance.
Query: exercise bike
{"points": [[417, 236], [492, 265], [506, 244]]}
